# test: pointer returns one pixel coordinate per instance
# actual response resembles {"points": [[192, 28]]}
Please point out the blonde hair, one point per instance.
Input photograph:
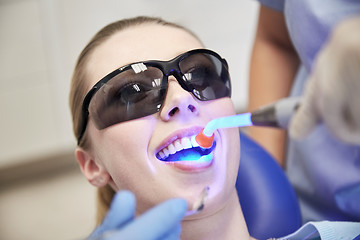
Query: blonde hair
{"points": [[78, 90]]}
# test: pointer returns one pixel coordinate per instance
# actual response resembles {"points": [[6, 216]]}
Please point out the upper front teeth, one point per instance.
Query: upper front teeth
{"points": [[178, 145]]}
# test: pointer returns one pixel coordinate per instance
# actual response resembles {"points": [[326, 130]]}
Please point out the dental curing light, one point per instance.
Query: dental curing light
{"points": [[276, 114]]}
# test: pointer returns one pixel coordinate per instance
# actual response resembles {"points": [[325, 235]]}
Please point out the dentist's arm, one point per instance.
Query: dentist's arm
{"points": [[274, 63], [159, 223], [332, 94]]}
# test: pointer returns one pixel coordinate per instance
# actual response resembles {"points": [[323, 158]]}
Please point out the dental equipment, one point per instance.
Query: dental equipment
{"points": [[200, 203], [277, 114]]}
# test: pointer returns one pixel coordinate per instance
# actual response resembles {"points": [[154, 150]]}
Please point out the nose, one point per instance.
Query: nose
{"points": [[178, 103]]}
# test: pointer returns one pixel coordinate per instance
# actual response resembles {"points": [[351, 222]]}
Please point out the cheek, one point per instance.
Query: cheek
{"points": [[233, 148], [228, 153], [220, 108], [230, 142], [231, 137], [123, 149]]}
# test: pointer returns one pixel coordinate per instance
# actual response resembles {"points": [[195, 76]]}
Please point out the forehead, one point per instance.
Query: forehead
{"points": [[139, 43]]}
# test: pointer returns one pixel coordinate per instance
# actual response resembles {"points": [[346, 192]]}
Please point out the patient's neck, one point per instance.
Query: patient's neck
{"points": [[227, 223]]}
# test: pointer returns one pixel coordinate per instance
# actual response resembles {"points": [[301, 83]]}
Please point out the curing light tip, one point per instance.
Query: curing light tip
{"points": [[203, 140]]}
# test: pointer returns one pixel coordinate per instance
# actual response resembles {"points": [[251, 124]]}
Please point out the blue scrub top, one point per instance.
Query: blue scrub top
{"points": [[324, 171]]}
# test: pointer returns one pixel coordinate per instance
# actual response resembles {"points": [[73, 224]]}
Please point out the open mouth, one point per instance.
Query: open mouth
{"points": [[184, 149]]}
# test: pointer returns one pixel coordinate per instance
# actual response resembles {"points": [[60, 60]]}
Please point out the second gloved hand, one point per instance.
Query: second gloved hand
{"points": [[159, 223], [332, 93]]}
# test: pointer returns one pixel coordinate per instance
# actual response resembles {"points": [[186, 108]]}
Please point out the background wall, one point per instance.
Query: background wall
{"points": [[42, 193]]}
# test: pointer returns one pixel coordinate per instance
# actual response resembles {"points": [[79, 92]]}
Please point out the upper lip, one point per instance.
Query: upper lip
{"points": [[177, 135]]}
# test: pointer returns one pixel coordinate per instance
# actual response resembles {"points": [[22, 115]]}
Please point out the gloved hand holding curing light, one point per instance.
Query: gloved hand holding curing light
{"points": [[159, 223], [332, 94]]}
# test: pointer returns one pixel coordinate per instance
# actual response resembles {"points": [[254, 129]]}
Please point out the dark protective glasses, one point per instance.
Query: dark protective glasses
{"points": [[139, 89]]}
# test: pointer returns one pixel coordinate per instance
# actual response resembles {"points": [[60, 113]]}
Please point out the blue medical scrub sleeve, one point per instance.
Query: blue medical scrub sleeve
{"points": [[326, 231]]}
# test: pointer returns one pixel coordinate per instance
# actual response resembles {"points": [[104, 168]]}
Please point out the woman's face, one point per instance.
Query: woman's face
{"points": [[127, 151]]}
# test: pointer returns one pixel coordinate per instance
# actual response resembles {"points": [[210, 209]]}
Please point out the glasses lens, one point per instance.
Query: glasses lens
{"points": [[133, 93], [206, 75]]}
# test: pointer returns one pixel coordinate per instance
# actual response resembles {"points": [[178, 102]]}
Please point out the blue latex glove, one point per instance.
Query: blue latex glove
{"points": [[161, 222]]}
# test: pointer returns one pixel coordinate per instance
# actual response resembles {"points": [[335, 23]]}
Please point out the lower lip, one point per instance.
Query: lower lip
{"points": [[194, 165]]}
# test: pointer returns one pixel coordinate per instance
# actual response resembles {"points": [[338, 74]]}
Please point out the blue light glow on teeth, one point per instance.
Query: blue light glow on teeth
{"points": [[202, 159], [185, 149]]}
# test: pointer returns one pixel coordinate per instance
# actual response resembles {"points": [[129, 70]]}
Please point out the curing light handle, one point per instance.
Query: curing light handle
{"points": [[277, 114]]}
